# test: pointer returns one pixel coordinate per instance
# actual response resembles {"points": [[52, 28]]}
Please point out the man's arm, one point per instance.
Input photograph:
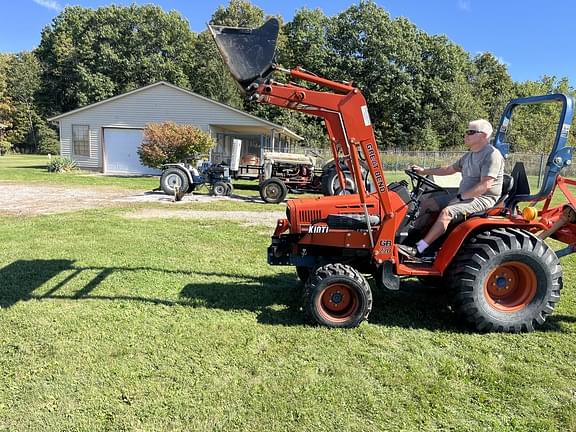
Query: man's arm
{"points": [[478, 190], [443, 171]]}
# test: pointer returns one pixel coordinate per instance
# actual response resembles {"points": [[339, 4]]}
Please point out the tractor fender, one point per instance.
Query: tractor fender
{"points": [[462, 232]]}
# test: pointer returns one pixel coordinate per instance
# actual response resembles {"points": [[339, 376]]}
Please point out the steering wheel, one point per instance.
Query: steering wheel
{"points": [[419, 180]]}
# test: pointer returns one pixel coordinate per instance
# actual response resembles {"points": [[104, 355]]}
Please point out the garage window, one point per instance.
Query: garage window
{"points": [[81, 140]]}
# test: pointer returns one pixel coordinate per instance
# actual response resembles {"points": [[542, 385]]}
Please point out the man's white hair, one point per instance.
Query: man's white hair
{"points": [[482, 126]]}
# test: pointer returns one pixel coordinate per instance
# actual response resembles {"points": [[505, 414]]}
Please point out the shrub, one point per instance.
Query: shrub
{"points": [[5, 147], [170, 143], [61, 164]]}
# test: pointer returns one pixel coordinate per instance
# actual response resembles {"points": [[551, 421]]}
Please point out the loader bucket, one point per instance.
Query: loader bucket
{"points": [[248, 53]]}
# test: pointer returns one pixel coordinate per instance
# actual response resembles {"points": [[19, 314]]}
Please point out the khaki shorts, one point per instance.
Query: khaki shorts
{"points": [[459, 210]]}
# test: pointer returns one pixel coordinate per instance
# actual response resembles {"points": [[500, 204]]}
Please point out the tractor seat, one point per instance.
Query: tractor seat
{"points": [[507, 190]]}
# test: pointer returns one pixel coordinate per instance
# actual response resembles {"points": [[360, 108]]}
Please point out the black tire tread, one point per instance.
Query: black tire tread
{"points": [[265, 183], [183, 176], [478, 253], [336, 270]]}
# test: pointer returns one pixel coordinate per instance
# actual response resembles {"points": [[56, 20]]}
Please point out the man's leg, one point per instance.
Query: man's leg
{"points": [[455, 210], [439, 227]]}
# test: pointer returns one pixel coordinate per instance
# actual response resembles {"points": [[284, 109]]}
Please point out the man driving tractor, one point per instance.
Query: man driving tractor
{"points": [[482, 169]]}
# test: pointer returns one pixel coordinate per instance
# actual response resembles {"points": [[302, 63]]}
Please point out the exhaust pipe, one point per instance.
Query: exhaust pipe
{"points": [[248, 53]]}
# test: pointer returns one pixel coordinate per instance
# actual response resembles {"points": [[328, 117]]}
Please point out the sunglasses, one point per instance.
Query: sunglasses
{"points": [[472, 132]]}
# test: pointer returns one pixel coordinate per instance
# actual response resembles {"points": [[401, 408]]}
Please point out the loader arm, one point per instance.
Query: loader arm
{"points": [[343, 108], [345, 114]]}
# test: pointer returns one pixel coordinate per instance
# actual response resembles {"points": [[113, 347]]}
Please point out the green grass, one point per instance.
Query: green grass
{"points": [[117, 324], [32, 169]]}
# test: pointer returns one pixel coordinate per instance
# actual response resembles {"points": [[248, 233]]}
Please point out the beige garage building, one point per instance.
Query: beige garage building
{"points": [[104, 136]]}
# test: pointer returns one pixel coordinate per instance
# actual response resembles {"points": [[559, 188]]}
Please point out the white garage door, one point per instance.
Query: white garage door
{"points": [[121, 152]]}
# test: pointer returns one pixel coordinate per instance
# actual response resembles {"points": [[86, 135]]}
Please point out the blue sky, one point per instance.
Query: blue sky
{"points": [[532, 38]]}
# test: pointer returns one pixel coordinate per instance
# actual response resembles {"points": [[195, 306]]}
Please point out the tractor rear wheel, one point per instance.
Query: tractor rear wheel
{"points": [[506, 280], [173, 178], [331, 184], [273, 190], [337, 295]]}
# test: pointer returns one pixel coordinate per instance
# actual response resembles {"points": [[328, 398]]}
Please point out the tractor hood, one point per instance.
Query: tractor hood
{"points": [[248, 53], [302, 213]]}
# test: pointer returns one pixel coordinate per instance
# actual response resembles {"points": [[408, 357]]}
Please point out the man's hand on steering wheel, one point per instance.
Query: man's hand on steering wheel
{"points": [[420, 180], [417, 169]]}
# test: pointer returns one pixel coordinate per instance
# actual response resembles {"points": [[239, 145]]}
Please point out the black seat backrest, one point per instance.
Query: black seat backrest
{"points": [[520, 184], [507, 188], [507, 184]]}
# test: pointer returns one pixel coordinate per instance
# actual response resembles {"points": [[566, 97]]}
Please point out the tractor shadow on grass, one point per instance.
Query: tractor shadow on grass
{"points": [[278, 300], [19, 279], [275, 299]]}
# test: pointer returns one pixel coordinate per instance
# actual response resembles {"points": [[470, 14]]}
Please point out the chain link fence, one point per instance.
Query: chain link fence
{"points": [[400, 160], [534, 163]]}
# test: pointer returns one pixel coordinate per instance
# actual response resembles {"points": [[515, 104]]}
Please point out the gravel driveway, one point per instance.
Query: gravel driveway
{"points": [[19, 199]]}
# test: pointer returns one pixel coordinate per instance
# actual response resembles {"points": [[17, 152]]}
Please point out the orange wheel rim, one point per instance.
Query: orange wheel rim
{"points": [[510, 287], [338, 302]]}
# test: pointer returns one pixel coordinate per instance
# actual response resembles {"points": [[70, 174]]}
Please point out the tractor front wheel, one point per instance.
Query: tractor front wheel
{"points": [[219, 188], [506, 280], [273, 190], [337, 295], [229, 189]]}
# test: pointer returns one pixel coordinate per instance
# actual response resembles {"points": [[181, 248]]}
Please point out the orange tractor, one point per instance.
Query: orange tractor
{"points": [[503, 275]]}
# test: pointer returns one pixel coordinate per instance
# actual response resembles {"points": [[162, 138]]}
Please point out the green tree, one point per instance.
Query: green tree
{"points": [[6, 107], [4, 62], [493, 85], [413, 82], [238, 13], [306, 43], [23, 82], [92, 54], [533, 127]]}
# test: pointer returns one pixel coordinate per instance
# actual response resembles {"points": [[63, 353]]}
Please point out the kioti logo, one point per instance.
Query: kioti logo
{"points": [[318, 229]]}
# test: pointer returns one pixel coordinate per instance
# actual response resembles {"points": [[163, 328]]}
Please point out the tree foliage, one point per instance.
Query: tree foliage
{"points": [[92, 54], [534, 127], [170, 143], [421, 89]]}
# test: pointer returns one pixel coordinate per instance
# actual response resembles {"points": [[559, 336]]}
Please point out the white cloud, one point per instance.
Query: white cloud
{"points": [[50, 4], [502, 61], [499, 59], [465, 5]]}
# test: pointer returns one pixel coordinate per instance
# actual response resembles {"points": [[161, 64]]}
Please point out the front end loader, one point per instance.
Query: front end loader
{"points": [[503, 275]]}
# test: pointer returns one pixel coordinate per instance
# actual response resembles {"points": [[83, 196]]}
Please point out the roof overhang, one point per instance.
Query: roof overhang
{"points": [[269, 124]]}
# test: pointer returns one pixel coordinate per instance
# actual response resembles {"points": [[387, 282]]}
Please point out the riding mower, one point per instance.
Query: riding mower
{"points": [[181, 178], [501, 273]]}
